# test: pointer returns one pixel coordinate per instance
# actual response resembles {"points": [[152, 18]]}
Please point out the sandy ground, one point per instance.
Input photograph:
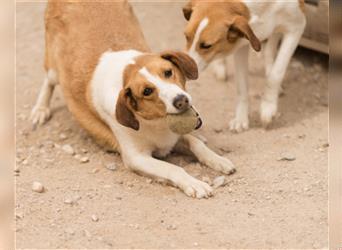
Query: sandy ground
{"points": [[266, 204]]}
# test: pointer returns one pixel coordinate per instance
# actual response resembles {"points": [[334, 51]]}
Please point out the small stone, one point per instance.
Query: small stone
{"points": [[171, 227], [84, 159], [148, 181], [195, 244], [68, 201], [63, 136], [25, 162], [37, 187], [287, 157], [95, 170], [94, 218], [302, 136], [84, 150], [68, 149], [218, 181], [87, 233], [77, 156], [111, 166], [325, 145]]}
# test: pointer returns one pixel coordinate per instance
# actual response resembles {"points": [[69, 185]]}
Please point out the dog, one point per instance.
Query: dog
{"points": [[216, 29], [121, 92]]}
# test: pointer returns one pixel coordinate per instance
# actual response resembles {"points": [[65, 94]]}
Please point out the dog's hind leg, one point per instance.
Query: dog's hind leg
{"points": [[41, 111]]}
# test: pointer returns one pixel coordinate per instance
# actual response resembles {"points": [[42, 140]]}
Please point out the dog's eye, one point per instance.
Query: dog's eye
{"points": [[168, 73], [147, 91], [205, 46]]}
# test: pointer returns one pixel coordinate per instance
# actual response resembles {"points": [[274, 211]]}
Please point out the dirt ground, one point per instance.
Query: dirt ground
{"points": [[267, 203]]}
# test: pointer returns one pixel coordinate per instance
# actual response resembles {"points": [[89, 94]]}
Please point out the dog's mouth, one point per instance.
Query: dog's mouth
{"points": [[199, 123]]}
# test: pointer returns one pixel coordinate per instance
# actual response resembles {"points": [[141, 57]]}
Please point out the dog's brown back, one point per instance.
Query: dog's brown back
{"points": [[77, 34]]}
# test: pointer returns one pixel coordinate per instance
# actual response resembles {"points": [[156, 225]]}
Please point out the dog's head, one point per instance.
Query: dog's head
{"points": [[154, 86], [215, 28]]}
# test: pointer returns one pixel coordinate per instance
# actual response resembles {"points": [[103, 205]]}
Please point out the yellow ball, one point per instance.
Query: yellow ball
{"points": [[185, 122]]}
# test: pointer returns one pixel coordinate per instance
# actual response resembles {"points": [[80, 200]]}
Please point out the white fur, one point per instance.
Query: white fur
{"points": [[167, 91], [201, 64], [41, 111], [153, 137]]}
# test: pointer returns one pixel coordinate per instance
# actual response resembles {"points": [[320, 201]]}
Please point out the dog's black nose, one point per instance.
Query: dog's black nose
{"points": [[181, 102]]}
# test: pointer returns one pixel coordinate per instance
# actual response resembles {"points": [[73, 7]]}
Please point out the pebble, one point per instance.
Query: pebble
{"points": [[84, 159], [218, 181], [68, 149], [87, 233], [68, 201], [37, 187], [148, 181], [111, 166], [63, 136], [287, 157], [171, 227], [95, 170], [94, 218]]}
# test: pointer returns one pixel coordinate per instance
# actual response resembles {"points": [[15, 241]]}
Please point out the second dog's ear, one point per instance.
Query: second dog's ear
{"points": [[123, 112], [241, 28], [184, 62], [187, 10]]}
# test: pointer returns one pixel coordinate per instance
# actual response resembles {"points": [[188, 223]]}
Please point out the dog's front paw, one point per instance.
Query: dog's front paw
{"points": [[196, 188], [39, 115], [239, 124], [268, 111], [223, 165]]}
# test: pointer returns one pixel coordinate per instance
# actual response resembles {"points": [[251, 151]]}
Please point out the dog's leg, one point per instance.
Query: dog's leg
{"points": [[270, 51], [269, 104], [41, 111], [220, 69], [150, 166], [240, 122], [208, 157]]}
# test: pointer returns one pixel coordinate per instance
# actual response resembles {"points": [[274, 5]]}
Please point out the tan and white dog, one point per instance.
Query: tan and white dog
{"points": [[119, 91], [219, 28]]}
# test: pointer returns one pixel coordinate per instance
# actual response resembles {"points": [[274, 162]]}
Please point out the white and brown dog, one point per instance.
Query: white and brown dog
{"points": [[220, 28], [119, 91]]}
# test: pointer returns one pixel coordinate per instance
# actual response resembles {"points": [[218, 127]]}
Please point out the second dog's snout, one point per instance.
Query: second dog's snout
{"points": [[181, 102]]}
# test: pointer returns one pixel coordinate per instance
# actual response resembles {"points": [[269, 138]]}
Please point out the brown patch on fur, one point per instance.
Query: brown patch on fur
{"points": [[124, 107], [77, 34], [184, 62], [302, 5], [227, 19]]}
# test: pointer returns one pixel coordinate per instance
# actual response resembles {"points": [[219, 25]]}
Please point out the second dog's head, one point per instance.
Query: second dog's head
{"points": [[154, 86], [215, 28]]}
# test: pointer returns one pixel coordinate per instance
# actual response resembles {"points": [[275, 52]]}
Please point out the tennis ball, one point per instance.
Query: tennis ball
{"points": [[185, 122]]}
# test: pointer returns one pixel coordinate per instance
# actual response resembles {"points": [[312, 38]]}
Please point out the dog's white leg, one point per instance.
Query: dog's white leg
{"points": [[220, 69], [41, 111], [269, 104], [270, 51], [145, 164], [241, 122], [208, 157]]}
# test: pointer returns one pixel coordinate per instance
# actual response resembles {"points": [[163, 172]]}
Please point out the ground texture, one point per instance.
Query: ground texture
{"points": [[266, 204]]}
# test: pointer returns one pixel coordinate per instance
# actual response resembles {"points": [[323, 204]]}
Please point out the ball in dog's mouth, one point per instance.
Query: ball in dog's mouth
{"points": [[185, 122]]}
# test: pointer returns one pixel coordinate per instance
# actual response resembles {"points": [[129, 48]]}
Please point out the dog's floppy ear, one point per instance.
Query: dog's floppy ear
{"points": [[187, 10], [184, 62], [123, 112], [241, 28]]}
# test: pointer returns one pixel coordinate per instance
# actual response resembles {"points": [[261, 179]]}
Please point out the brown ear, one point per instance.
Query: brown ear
{"points": [[123, 113], [184, 62], [187, 10], [241, 28]]}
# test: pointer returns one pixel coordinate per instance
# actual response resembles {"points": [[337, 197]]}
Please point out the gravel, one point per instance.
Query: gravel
{"points": [[68, 149], [37, 187], [219, 181]]}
